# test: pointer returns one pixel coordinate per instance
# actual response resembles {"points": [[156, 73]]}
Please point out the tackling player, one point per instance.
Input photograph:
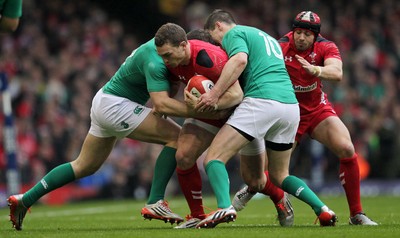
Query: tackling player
{"points": [[118, 110]]}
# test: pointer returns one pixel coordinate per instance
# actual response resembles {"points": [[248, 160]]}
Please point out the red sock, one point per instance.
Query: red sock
{"points": [[349, 176], [274, 192], [191, 185]]}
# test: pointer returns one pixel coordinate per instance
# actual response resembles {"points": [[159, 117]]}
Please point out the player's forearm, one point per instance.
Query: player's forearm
{"points": [[230, 73], [8, 25], [232, 97], [329, 72], [332, 70], [173, 107]]}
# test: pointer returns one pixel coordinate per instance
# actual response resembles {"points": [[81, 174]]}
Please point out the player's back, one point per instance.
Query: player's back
{"points": [[265, 75], [142, 71]]}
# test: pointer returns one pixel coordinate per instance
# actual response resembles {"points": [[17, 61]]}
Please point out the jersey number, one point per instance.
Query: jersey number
{"points": [[271, 45]]}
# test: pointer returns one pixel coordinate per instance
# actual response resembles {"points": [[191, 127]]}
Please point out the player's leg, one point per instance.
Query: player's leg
{"points": [[279, 174], [279, 140], [94, 152], [154, 129], [252, 162], [225, 145], [194, 139], [333, 133]]}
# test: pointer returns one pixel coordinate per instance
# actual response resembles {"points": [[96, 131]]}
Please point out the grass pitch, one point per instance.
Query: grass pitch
{"points": [[122, 219]]}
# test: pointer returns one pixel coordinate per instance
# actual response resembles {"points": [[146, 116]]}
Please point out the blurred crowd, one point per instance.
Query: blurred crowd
{"points": [[64, 51]]}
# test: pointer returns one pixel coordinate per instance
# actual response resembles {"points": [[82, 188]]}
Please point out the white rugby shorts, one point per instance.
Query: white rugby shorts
{"points": [[267, 119], [255, 147], [115, 116]]}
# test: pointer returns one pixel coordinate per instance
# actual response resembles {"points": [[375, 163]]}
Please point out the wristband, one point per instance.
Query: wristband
{"points": [[318, 70]]}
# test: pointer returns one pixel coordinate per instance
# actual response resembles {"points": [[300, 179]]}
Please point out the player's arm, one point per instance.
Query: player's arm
{"points": [[163, 104], [231, 72], [332, 69], [11, 12], [232, 97], [8, 25]]}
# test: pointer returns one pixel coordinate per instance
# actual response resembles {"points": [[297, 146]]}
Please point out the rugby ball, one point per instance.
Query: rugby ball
{"points": [[199, 84]]}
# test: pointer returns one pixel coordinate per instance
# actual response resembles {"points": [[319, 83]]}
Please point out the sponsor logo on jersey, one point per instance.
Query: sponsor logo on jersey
{"points": [[288, 58], [302, 89]]}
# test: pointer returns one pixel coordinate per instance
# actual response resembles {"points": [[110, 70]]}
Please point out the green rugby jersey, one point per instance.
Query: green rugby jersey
{"points": [[265, 75], [142, 72], [11, 8]]}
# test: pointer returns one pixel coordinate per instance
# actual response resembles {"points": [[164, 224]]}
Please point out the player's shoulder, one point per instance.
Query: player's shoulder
{"points": [[198, 45], [286, 38], [323, 41], [206, 53], [326, 47]]}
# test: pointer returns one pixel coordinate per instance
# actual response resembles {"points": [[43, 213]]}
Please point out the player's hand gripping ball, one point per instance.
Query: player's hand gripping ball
{"points": [[199, 84]]}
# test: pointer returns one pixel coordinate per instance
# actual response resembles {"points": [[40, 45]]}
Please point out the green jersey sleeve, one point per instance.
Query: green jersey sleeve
{"points": [[11, 8]]}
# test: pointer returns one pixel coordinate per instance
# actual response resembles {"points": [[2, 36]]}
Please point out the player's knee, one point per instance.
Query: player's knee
{"points": [[185, 160], [83, 170], [346, 150], [255, 183], [277, 177]]}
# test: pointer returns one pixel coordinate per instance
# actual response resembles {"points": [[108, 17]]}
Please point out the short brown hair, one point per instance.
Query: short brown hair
{"points": [[201, 34], [170, 33], [218, 15]]}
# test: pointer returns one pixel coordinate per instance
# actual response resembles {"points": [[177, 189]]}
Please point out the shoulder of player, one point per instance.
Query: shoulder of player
{"points": [[323, 41], [197, 45], [284, 39], [325, 45]]}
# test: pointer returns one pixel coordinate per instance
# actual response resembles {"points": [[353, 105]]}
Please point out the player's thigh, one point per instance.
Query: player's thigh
{"points": [[154, 129], [225, 145], [193, 141], [333, 133], [95, 150]]}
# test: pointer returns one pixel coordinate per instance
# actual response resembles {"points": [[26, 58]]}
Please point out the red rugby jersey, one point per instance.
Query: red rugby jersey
{"points": [[308, 88], [207, 60]]}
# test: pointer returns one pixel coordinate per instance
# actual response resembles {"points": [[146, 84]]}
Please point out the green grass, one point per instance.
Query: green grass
{"points": [[122, 219]]}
